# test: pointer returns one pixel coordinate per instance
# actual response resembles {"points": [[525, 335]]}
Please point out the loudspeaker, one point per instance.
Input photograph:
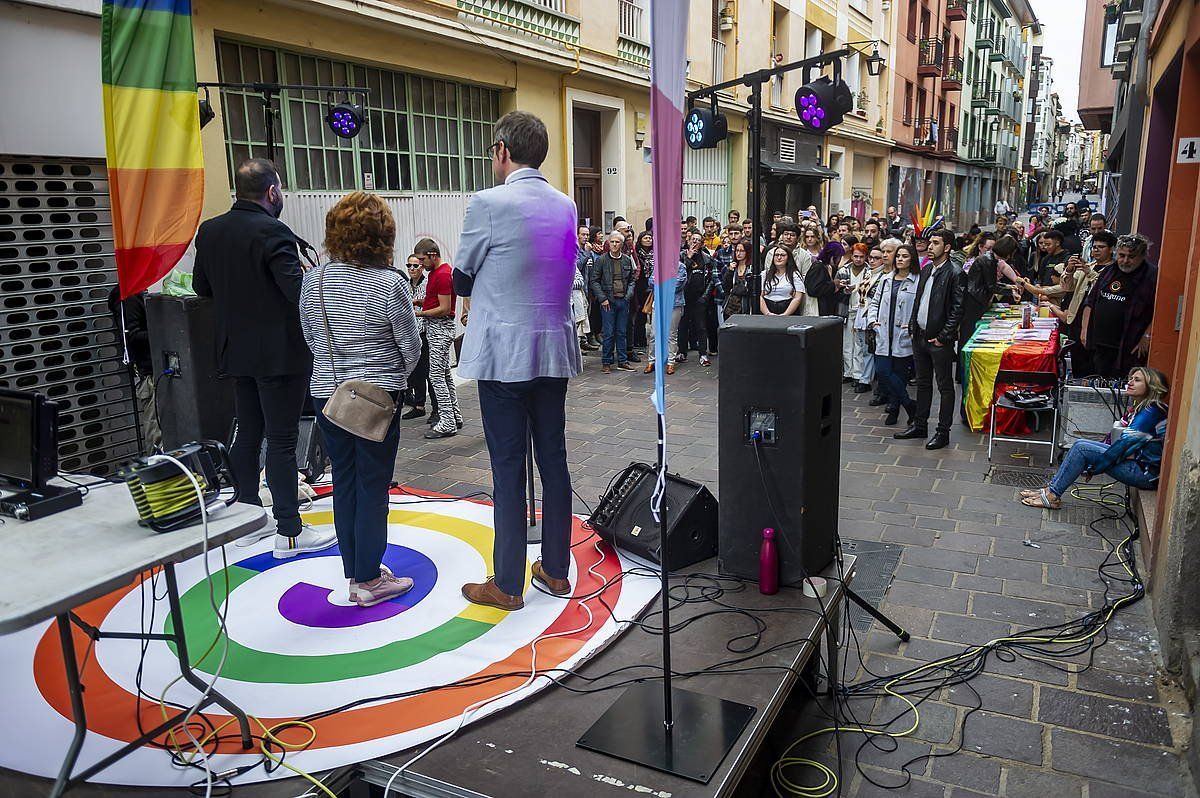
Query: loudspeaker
{"points": [[311, 459], [195, 404], [624, 519], [780, 382]]}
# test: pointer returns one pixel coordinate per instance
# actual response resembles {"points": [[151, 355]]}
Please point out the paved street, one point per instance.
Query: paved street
{"points": [[1046, 730]]}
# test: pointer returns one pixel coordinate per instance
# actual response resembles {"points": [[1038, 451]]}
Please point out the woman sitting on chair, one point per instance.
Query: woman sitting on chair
{"points": [[1132, 459]]}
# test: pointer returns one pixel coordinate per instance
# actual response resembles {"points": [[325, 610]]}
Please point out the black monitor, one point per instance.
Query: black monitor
{"points": [[28, 440]]}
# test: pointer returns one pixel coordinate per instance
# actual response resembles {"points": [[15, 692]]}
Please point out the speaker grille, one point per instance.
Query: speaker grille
{"points": [[56, 334]]}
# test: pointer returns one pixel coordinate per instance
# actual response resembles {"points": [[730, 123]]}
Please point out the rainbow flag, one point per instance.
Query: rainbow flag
{"points": [[668, 68], [152, 129]]}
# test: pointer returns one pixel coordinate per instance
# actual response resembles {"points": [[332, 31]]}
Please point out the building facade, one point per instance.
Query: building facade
{"points": [[958, 125]]}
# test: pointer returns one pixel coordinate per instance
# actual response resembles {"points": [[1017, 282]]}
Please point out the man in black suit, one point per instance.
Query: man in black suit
{"points": [[247, 262], [934, 327]]}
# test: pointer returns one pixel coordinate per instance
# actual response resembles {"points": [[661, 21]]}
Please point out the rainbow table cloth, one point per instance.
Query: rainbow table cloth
{"points": [[983, 359]]}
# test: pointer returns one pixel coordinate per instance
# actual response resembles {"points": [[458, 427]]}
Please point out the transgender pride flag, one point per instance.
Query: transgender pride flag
{"points": [[668, 67]]}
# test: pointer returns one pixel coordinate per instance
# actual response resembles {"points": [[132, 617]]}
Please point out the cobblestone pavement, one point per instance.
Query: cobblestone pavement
{"points": [[1045, 730]]}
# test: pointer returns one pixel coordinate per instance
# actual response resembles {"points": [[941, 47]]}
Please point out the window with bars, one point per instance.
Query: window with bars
{"points": [[422, 134]]}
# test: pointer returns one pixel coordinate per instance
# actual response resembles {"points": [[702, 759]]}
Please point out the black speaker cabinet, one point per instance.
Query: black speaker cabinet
{"points": [[195, 405], [780, 382], [624, 519]]}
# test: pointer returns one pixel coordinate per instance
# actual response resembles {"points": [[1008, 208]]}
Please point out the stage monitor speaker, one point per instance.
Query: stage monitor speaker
{"points": [[311, 459], [780, 380], [624, 519], [193, 404]]}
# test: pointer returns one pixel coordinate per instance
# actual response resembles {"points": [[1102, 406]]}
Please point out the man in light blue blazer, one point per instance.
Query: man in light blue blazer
{"points": [[516, 262]]}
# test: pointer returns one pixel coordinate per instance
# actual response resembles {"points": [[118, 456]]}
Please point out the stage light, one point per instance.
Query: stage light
{"points": [[207, 114], [345, 120], [821, 104], [703, 128]]}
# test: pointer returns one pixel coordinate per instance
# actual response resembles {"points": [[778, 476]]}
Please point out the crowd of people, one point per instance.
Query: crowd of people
{"points": [[911, 297], [910, 300]]}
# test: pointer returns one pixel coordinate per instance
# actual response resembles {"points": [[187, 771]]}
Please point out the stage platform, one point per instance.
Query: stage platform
{"points": [[517, 745], [530, 749]]}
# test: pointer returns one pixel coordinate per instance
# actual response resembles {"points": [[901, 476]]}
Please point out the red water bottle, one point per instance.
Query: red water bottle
{"points": [[768, 564]]}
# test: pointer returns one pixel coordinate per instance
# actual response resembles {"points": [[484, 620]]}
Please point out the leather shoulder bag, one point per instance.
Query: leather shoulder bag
{"points": [[356, 406]]}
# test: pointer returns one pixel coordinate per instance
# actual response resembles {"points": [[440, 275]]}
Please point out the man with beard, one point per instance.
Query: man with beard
{"points": [[247, 262]]}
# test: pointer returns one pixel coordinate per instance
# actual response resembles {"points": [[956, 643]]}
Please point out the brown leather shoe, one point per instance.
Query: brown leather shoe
{"points": [[487, 594], [649, 367], [670, 368], [559, 587], [606, 369]]}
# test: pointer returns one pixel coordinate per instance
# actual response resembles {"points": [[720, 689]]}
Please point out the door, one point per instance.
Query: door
{"points": [[706, 181], [586, 149]]}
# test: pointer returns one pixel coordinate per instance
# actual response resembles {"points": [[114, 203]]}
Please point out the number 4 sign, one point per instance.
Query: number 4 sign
{"points": [[1189, 151]]}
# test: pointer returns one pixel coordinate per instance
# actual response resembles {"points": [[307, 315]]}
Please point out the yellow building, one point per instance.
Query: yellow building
{"points": [[440, 72]]}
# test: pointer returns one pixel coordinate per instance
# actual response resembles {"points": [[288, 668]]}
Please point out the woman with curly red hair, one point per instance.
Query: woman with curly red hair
{"points": [[357, 315]]}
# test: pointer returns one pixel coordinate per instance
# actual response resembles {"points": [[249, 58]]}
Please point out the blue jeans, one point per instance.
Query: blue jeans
{"points": [[362, 475], [614, 325], [510, 410], [1083, 455], [893, 374]]}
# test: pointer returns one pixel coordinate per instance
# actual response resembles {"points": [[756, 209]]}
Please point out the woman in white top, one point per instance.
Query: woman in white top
{"points": [[783, 286]]}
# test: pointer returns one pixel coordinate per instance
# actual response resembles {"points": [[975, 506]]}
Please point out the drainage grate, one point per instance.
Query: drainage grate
{"points": [[1019, 477], [1082, 514], [874, 568]]}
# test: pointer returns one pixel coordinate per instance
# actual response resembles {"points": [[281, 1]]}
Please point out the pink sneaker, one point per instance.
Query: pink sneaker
{"points": [[383, 571], [386, 587]]}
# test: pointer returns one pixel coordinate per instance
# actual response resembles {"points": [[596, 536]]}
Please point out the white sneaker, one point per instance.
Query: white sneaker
{"points": [[383, 571], [309, 539], [386, 587]]}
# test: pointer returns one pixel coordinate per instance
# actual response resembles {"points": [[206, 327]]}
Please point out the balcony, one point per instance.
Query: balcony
{"points": [[1000, 44], [630, 15], [993, 104], [979, 97], [956, 10], [985, 34], [952, 77], [718, 62], [925, 134], [631, 34], [948, 141], [982, 152], [930, 58], [546, 19]]}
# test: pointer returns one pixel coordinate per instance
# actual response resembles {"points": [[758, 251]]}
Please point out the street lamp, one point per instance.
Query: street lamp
{"points": [[875, 61]]}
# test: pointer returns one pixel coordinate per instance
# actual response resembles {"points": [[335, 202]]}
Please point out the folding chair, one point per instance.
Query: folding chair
{"points": [[1032, 379]]}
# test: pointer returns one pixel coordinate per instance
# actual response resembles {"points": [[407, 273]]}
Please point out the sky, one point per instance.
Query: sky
{"points": [[1062, 40]]}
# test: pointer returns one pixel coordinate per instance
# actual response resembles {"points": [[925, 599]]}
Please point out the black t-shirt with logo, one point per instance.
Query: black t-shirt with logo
{"points": [[1111, 309]]}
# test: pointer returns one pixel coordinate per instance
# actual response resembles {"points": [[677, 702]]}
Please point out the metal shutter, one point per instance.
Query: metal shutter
{"points": [[706, 182], [56, 334]]}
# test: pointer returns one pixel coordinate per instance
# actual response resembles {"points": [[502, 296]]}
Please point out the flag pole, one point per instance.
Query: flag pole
{"points": [[639, 726]]}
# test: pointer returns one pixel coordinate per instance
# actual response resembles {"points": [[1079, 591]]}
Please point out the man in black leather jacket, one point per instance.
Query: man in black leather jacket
{"points": [[934, 326], [247, 262]]}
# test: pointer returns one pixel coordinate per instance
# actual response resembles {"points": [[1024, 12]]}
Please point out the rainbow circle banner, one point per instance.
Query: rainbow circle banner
{"points": [[297, 646]]}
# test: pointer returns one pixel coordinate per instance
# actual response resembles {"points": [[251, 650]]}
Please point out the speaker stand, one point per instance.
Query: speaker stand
{"points": [[870, 609], [676, 731], [895, 628]]}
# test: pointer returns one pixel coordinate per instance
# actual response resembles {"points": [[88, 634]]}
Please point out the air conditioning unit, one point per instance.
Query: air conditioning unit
{"points": [[1089, 409]]}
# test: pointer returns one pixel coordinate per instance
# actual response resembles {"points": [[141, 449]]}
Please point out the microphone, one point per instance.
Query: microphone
{"points": [[305, 249]]}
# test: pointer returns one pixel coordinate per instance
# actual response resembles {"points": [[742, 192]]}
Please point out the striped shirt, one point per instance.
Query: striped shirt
{"points": [[374, 327]]}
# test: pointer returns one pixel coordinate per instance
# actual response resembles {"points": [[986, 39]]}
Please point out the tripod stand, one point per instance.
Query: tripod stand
{"points": [[869, 608], [876, 614]]}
